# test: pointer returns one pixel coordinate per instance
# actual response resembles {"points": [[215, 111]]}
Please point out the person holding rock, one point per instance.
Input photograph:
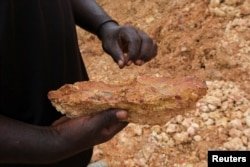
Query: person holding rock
{"points": [[39, 52]]}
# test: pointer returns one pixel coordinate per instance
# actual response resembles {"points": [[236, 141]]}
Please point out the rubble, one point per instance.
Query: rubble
{"points": [[229, 8], [182, 131], [209, 39]]}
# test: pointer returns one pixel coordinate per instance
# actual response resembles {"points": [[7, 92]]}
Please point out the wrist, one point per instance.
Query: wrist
{"points": [[65, 146], [102, 28]]}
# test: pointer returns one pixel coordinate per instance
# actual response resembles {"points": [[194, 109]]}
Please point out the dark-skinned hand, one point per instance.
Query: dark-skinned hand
{"points": [[127, 44], [31, 144], [85, 132]]}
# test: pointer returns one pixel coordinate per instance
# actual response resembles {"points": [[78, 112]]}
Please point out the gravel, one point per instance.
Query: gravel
{"points": [[214, 34], [221, 121]]}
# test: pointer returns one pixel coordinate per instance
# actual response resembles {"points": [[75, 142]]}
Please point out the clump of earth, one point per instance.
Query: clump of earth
{"points": [[206, 38]]}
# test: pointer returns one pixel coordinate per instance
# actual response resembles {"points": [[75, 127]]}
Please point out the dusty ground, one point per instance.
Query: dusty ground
{"points": [[207, 38]]}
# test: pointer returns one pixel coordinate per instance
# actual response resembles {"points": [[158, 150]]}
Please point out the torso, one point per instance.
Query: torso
{"points": [[38, 53]]}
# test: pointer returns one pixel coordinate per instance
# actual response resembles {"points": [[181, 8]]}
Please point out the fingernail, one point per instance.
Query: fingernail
{"points": [[139, 62], [122, 115], [125, 55], [120, 63], [129, 63]]}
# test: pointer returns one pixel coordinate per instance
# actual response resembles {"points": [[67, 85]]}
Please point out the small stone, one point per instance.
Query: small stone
{"points": [[204, 109], [165, 137], [235, 123], [234, 144], [197, 112], [212, 100], [245, 8], [207, 138], [214, 3], [212, 107], [148, 150], [224, 106], [191, 131], [171, 143], [154, 136], [184, 49], [187, 122], [204, 116], [129, 162], [235, 132], [209, 122], [197, 138], [188, 165], [137, 131], [141, 162], [215, 115], [100, 163], [244, 140], [179, 119], [222, 121], [97, 154], [198, 104], [236, 115], [247, 113], [158, 138], [195, 125], [231, 2], [217, 94], [247, 120], [171, 128], [150, 19], [156, 128], [246, 132], [181, 137], [221, 129]]}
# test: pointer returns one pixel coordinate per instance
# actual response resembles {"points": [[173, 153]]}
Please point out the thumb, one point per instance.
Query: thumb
{"points": [[112, 122], [109, 117]]}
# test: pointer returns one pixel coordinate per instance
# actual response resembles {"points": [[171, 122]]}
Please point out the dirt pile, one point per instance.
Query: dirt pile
{"points": [[221, 122], [190, 36], [232, 8], [207, 38]]}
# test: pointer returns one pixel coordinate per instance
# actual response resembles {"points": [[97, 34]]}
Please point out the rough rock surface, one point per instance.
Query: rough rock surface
{"points": [[148, 100]]}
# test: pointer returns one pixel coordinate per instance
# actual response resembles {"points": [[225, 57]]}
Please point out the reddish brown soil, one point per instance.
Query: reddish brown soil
{"points": [[207, 38]]}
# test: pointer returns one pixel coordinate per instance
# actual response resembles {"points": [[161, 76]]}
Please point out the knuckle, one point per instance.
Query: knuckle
{"points": [[148, 56], [138, 40], [144, 57], [106, 46], [148, 41], [133, 55]]}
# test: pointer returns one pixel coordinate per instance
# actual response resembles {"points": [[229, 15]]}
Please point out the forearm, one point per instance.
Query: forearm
{"points": [[89, 15], [24, 143]]}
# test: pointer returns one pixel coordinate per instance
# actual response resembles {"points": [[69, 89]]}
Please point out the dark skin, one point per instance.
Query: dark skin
{"points": [[25, 143], [125, 44]]}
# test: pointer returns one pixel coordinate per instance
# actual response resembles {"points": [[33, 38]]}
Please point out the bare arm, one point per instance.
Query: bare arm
{"points": [[125, 44], [89, 15], [25, 143]]}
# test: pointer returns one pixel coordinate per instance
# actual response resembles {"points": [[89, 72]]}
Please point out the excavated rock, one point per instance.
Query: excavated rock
{"points": [[148, 100]]}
